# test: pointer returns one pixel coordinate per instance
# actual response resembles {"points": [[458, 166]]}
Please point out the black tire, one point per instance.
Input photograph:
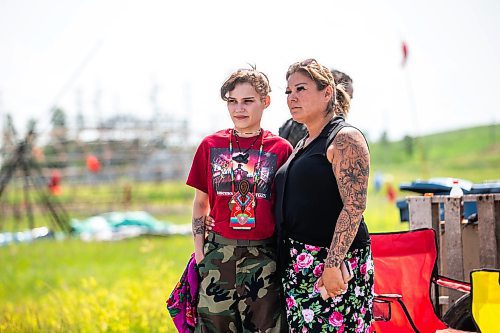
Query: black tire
{"points": [[459, 315]]}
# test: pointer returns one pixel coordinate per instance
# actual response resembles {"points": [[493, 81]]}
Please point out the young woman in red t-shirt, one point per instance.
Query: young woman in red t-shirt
{"points": [[232, 173]]}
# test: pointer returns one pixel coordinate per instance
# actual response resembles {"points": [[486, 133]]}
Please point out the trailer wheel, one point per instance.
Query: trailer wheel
{"points": [[459, 315]]}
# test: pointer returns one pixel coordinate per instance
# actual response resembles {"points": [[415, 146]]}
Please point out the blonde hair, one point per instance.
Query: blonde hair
{"points": [[257, 79]]}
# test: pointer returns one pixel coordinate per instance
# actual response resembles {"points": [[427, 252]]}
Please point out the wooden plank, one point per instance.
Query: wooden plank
{"points": [[467, 197], [436, 225], [420, 212], [497, 229], [487, 232], [470, 240], [454, 267]]}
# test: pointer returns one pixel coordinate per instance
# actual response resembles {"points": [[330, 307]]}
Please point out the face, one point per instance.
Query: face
{"points": [[245, 107], [306, 103]]}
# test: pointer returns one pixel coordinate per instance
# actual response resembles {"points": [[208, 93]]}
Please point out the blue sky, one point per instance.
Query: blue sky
{"points": [[106, 57]]}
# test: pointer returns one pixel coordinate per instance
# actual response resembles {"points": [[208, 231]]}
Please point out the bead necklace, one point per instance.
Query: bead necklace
{"points": [[242, 157], [256, 173]]}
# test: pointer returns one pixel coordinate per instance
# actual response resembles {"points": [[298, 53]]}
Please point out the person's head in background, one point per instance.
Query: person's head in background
{"points": [[294, 131], [246, 92], [345, 90]]}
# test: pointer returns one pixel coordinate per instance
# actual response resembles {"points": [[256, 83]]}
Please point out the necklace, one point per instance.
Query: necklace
{"points": [[256, 173], [242, 157], [257, 132], [242, 203]]}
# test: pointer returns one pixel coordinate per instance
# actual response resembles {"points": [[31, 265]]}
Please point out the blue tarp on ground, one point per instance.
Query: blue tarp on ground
{"points": [[104, 227], [120, 225]]}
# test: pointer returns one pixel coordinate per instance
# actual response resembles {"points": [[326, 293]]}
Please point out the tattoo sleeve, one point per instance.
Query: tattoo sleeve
{"points": [[351, 166], [199, 226]]}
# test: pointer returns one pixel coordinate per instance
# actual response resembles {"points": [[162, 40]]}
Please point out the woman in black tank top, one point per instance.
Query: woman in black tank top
{"points": [[322, 192]]}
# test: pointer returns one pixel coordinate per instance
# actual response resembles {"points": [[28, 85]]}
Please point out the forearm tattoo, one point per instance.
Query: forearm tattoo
{"points": [[351, 167], [199, 226]]}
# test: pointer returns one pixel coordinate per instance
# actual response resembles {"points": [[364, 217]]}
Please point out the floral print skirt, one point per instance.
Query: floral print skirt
{"points": [[306, 311]]}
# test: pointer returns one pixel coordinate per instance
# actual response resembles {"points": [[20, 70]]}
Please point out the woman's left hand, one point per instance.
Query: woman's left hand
{"points": [[332, 281], [209, 223]]}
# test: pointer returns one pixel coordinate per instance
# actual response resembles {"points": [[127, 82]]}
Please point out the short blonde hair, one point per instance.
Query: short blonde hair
{"points": [[257, 79]]}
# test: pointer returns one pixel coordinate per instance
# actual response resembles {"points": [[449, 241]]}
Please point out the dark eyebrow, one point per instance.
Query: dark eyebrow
{"points": [[250, 97], [244, 99]]}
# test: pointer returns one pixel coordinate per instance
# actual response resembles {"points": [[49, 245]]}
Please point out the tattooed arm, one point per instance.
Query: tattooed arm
{"points": [[201, 208], [350, 160]]}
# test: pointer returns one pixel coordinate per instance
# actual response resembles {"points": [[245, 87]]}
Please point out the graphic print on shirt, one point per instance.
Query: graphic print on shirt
{"points": [[221, 162]]}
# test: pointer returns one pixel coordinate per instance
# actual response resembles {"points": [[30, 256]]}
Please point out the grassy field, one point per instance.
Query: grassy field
{"points": [[73, 286], [472, 153]]}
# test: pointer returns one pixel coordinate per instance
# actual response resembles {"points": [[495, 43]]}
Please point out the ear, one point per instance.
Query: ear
{"points": [[328, 92], [267, 101]]}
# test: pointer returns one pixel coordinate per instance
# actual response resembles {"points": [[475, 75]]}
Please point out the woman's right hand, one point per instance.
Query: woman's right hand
{"points": [[333, 282]]}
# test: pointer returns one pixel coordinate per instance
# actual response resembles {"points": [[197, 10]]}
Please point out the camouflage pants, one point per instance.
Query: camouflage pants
{"points": [[239, 290]]}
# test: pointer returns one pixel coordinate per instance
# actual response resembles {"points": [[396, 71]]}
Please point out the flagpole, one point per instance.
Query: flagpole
{"points": [[420, 147]]}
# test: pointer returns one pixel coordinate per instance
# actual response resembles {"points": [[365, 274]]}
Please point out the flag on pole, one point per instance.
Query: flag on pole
{"points": [[404, 49]]}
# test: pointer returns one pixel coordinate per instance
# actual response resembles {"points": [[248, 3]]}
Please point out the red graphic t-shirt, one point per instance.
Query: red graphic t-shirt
{"points": [[211, 173]]}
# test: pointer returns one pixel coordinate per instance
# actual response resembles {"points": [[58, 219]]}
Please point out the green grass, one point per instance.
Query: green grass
{"points": [[72, 286], [165, 193], [472, 153]]}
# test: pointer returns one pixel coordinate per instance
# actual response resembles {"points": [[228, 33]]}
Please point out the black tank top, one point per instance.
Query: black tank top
{"points": [[308, 201]]}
